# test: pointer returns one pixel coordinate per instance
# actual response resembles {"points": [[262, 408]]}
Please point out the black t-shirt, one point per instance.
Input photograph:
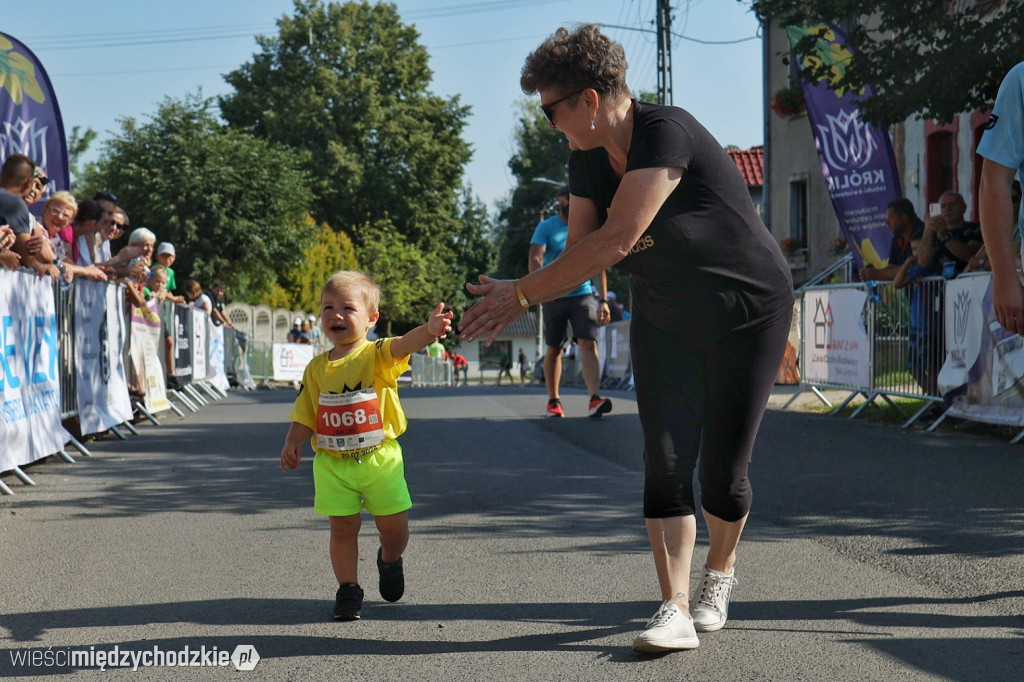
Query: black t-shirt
{"points": [[706, 265]]}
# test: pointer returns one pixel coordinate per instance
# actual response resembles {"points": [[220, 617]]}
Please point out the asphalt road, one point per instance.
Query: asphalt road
{"points": [[871, 554]]}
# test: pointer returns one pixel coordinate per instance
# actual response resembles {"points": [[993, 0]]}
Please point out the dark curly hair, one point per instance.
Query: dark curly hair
{"points": [[574, 61]]}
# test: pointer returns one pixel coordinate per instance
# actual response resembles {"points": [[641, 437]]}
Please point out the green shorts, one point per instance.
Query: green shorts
{"points": [[375, 482]]}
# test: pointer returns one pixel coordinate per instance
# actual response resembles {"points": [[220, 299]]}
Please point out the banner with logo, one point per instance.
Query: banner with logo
{"points": [[218, 375], [101, 377], [836, 347], [30, 121], [181, 335], [147, 343], [290, 360], [982, 378], [30, 427], [856, 158], [198, 341]]}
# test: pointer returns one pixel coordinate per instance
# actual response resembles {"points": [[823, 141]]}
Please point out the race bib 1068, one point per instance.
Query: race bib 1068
{"points": [[349, 423]]}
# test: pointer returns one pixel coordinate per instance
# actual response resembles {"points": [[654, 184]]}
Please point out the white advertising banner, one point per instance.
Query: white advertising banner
{"points": [[983, 376], [217, 375], [147, 342], [100, 374], [835, 344], [199, 354], [30, 427], [290, 360]]}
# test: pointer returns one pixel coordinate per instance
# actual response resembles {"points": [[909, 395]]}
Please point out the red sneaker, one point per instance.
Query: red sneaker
{"points": [[555, 408], [599, 406]]}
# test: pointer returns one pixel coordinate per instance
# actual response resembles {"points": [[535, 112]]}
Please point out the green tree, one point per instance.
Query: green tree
{"points": [[347, 84], [233, 205], [78, 144], [412, 281], [328, 252], [926, 58], [541, 157]]}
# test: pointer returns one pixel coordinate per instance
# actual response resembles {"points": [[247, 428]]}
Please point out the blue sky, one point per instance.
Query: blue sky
{"points": [[119, 58]]}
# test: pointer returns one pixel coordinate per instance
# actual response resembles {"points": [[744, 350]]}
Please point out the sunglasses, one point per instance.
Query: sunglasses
{"points": [[41, 178], [105, 196], [549, 108]]}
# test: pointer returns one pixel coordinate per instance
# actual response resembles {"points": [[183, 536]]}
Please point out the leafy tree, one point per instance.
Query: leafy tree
{"points": [[78, 144], [328, 252], [412, 281], [347, 84], [233, 205], [925, 58], [541, 157]]}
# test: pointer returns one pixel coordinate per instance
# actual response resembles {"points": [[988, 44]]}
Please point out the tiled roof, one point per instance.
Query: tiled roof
{"points": [[527, 324], [751, 164]]}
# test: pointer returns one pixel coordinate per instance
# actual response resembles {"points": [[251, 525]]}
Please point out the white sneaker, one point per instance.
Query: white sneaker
{"points": [[711, 608], [667, 630]]}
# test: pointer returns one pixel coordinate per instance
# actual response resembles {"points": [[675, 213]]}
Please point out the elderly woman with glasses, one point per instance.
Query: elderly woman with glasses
{"points": [[656, 196], [58, 213]]}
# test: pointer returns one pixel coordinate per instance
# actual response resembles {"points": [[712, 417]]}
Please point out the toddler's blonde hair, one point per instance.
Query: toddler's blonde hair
{"points": [[354, 280]]}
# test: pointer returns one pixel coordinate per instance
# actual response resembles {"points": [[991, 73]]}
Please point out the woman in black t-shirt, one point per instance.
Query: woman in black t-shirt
{"points": [[656, 196]]}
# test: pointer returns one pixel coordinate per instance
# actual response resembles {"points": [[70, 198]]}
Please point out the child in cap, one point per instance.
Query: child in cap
{"points": [[349, 409], [165, 256]]}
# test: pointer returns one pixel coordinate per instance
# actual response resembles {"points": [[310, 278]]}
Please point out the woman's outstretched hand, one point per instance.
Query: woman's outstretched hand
{"points": [[492, 313]]}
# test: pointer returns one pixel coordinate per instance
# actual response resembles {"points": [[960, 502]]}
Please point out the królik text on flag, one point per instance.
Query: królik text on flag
{"points": [[856, 157]]}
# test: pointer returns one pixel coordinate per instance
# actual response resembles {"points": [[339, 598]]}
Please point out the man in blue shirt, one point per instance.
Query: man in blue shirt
{"points": [[578, 308], [1002, 147]]}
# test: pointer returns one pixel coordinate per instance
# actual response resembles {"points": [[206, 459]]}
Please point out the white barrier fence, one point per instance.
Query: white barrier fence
{"points": [[80, 354], [936, 339]]}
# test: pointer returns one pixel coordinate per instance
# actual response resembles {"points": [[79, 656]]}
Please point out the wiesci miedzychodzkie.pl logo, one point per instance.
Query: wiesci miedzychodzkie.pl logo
{"points": [[244, 657]]}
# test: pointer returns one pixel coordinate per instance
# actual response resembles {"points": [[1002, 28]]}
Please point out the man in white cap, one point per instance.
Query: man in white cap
{"points": [[295, 334]]}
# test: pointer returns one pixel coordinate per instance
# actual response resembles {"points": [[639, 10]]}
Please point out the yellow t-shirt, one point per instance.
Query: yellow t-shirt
{"points": [[352, 404]]}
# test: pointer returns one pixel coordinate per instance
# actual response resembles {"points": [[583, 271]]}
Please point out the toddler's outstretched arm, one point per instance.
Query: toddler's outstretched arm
{"points": [[439, 324]]}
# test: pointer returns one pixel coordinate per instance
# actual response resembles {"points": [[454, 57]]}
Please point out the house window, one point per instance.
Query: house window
{"points": [[798, 210]]}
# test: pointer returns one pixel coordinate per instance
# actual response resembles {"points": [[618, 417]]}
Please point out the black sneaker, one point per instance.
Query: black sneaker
{"points": [[392, 578], [348, 603]]}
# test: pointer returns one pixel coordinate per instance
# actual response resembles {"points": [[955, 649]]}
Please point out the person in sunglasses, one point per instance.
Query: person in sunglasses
{"points": [[653, 194]]}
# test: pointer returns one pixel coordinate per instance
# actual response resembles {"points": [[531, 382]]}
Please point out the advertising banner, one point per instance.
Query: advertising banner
{"points": [[199, 320], [857, 159], [181, 334], [290, 360], [982, 378], [101, 377], [836, 347], [147, 343], [617, 353], [217, 374], [30, 427], [30, 121]]}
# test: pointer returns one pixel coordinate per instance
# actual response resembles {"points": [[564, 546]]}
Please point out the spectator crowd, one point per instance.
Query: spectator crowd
{"points": [[72, 238]]}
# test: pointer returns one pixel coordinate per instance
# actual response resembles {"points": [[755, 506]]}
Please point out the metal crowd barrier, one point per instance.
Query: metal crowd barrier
{"points": [[427, 370], [905, 337], [236, 351]]}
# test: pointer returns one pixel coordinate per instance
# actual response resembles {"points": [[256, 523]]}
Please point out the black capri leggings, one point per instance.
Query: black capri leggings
{"points": [[702, 403]]}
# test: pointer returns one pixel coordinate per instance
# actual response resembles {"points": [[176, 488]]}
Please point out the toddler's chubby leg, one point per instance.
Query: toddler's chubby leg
{"points": [[345, 547]]}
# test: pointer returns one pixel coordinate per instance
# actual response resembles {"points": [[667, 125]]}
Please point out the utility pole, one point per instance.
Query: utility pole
{"points": [[664, 24]]}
